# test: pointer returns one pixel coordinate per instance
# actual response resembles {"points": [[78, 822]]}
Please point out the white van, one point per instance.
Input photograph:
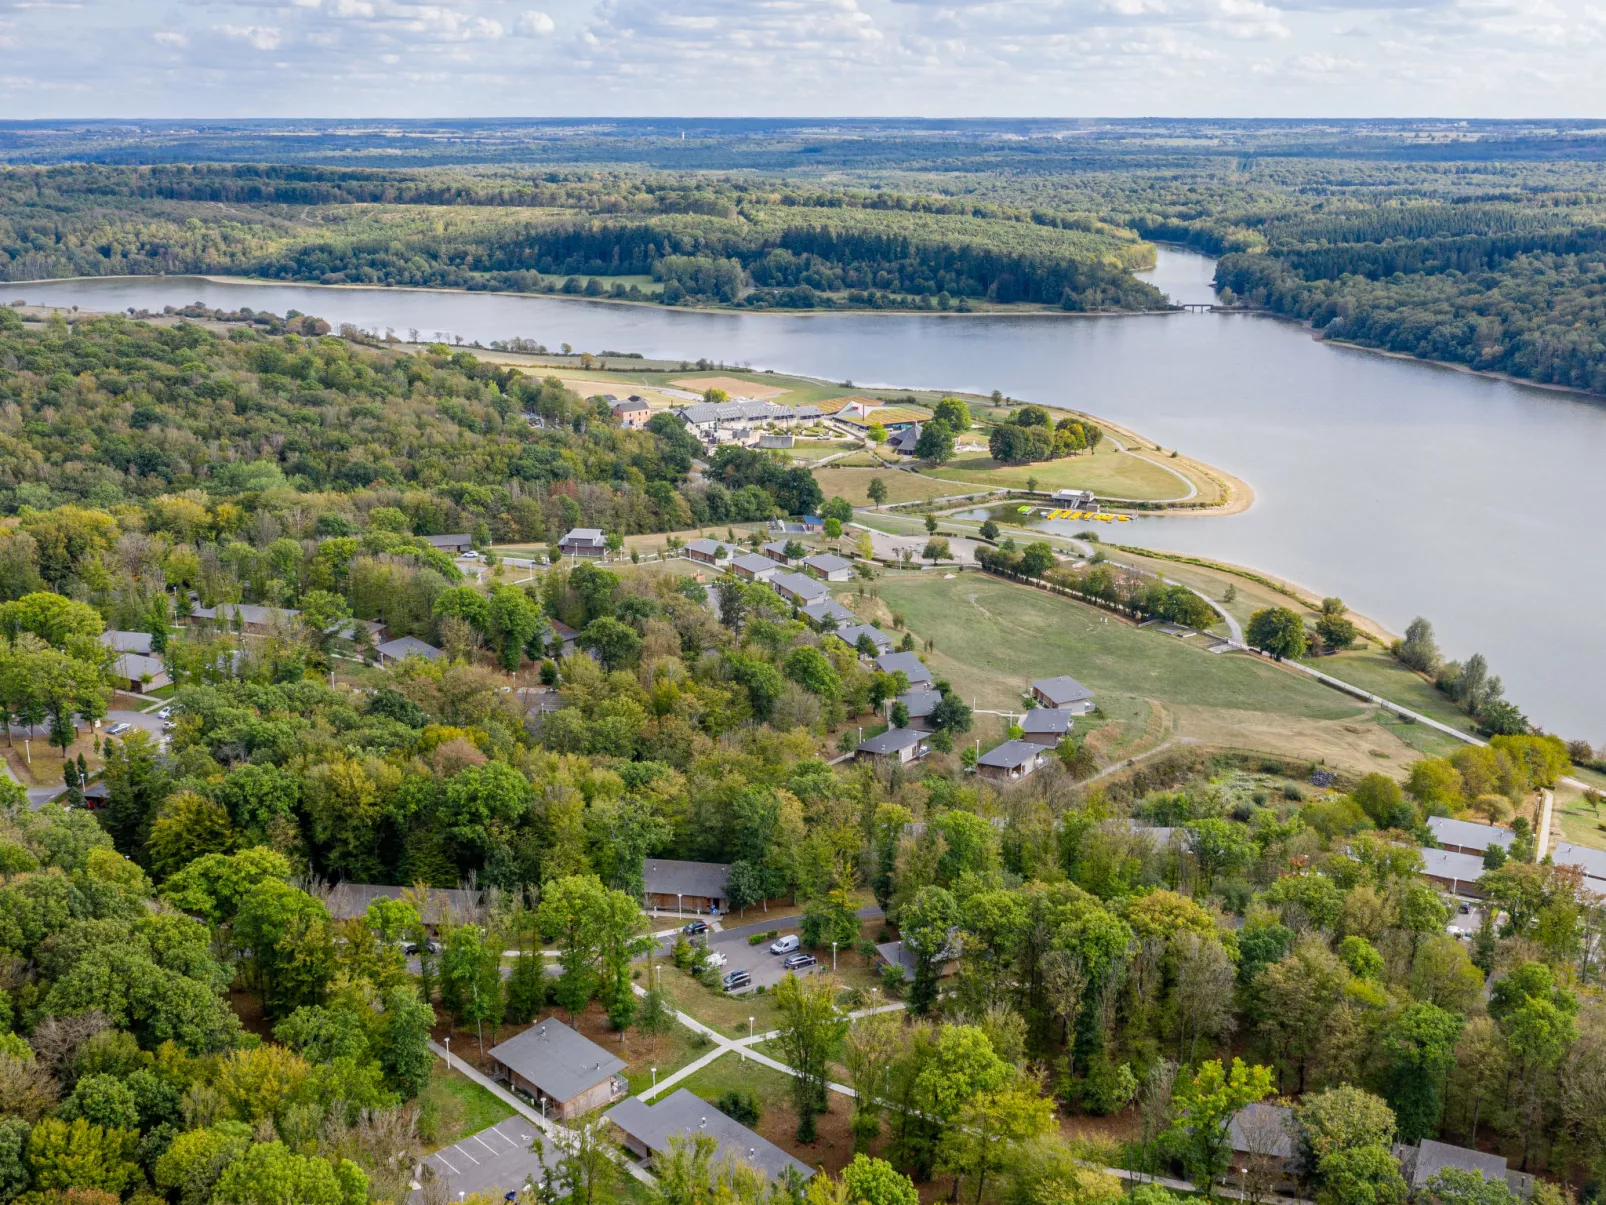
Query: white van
{"points": [[785, 946]]}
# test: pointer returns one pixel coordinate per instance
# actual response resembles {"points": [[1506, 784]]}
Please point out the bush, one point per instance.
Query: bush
{"points": [[759, 938], [739, 1106]]}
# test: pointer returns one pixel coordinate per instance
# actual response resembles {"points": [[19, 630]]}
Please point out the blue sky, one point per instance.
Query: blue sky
{"points": [[941, 58]]}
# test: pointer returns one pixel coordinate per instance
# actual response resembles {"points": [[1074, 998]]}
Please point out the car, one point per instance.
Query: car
{"points": [[1464, 909], [796, 962], [119, 728], [696, 926], [413, 948], [785, 945], [165, 713], [736, 979]]}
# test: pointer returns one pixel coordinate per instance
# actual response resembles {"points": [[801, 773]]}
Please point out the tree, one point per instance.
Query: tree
{"points": [[1336, 631], [1457, 1186], [614, 643], [868, 1053], [937, 549], [587, 1167], [1363, 1175], [989, 530], [1277, 631], [812, 670], [935, 442], [513, 617], [286, 933], [80, 1155], [269, 1173], [992, 1126], [951, 714], [831, 918], [876, 491], [1419, 651], [953, 413], [1205, 1101], [1036, 559], [470, 977], [1419, 1046], [14, 1133], [1379, 797], [1342, 1119], [926, 922], [811, 1028]]}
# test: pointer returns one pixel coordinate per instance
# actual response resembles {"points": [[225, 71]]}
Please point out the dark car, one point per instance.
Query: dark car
{"points": [[795, 962], [412, 948], [736, 979], [696, 926]]}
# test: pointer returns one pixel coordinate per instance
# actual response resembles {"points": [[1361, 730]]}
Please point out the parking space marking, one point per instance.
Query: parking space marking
{"points": [[458, 1147], [488, 1146], [449, 1167]]}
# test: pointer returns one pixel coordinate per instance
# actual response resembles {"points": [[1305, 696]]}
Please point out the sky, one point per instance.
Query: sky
{"points": [[733, 58]]}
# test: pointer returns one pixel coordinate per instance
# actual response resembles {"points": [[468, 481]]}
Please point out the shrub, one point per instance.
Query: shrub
{"points": [[739, 1106]]}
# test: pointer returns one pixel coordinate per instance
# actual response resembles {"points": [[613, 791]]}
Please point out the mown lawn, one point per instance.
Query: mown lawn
{"points": [[463, 1106], [1107, 472], [1374, 670]]}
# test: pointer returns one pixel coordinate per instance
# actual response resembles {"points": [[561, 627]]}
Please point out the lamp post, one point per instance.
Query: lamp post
{"points": [[655, 1079], [679, 908], [448, 1052], [833, 958]]}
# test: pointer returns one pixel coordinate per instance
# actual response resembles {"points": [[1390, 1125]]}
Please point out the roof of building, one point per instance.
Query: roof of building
{"points": [[348, 900], [585, 535], [710, 547], [905, 440], [557, 1060], [562, 630], [817, 610], [1433, 1157], [751, 562], [135, 665], [410, 646], [1262, 1129], [826, 562], [733, 412], [665, 876], [450, 541], [127, 642], [850, 633], [1445, 864], [913, 668], [1011, 755], [248, 612], [634, 405], [920, 702], [1047, 719], [892, 741], [1591, 861], [778, 547], [1468, 833], [1067, 494], [807, 412], [800, 584], [682, 1113], [1063, 689]]}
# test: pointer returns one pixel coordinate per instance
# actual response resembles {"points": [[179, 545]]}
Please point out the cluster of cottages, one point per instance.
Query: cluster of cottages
{"points": [[1059, 701], [751, 422], [1456, 861], [1265, 1141]]}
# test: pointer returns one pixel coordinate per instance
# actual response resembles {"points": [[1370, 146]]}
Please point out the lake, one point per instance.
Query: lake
{"points": [[1405, 488]]}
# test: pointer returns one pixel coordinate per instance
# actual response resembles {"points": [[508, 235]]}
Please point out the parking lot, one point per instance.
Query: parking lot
{"points": [[757, 961], [495, 1161]]}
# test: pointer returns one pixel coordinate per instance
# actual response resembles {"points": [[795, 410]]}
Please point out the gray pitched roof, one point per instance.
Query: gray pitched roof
{"points": [[1465, 832], [348, 900], [913, 668], [753, 563], [249, 613], [850, 634], [1443, 864], [1591, 861], [1262, 1129], [554, 1058], [891, 741], [826, 562], [410, 646], [135, 665], [586, 535], [1433, 1157], [450, 541], [682, 1113], [710, 547], [1047, 719], [732, 412], [778, 547], [1010, 755], [821, 607], [127, 642], [1063, 689], [666, 876], [921, 702], [800, 585], [905, 440]]}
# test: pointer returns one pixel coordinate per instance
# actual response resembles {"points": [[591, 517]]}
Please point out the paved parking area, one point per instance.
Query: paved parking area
{"points": [[757, 961], [495, 1161]]}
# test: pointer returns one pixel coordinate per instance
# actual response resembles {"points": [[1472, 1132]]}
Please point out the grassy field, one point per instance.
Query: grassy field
{"points": [[727, 1014], [1374, 670], [465, 1107], [668, 1054], [993, 637], [902, 486], [1108, 472]]}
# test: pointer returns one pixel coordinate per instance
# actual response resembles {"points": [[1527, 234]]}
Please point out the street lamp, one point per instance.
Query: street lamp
{"points": [[679, 908], [833, 958], [750, 1029], [655, 1079], [448, 1052]]}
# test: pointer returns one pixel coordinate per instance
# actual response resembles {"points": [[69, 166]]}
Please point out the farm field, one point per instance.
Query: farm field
{"points": [[1107, 472], [993, 637]]}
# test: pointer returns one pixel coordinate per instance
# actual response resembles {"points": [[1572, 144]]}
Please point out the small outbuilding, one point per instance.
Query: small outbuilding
{"points": [[1074, 499], [1011, 761], [1046, 726], [584, 541], [707, 551], [850, 633], [830, 567], [632, 414], [796, 588], [347, 901], [454, 544], [823, 612], [1063, 693], [754, 568], [1457, 873], [568, 1075], [137, 673], [776, 551], [920, 703], [127, 642], [897, 745], [1420, 1163]]}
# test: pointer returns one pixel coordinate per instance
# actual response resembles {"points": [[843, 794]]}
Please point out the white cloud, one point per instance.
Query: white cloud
{"points": [[263, 37], [534, 24], [171, 38]]}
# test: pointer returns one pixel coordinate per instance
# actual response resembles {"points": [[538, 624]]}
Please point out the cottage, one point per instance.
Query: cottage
{"points": [[897, 954], [827, 612], [407, 646], [683, 886], [776, 551], [1064, 693], [1073, 499], [454, 544], [248, 617], [908, 664], [1011, 761], [355, 629], [1457, 873], [648, 1130], [138, 674], [1428, 1158], [632, 415], [1046, 726], [831, 568], [440, 905], [563, 638], [1468, 837], [127, 642], [850, 633], [903, 442], [754, 568], [1592, 862], [707, 551], [920, 703], [1263, 1146], [584, 541], [796, 588], [899, 745], [566, 1074]]}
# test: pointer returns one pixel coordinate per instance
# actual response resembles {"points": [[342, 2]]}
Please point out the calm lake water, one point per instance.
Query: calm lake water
{"points": [[1404, 488]]}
